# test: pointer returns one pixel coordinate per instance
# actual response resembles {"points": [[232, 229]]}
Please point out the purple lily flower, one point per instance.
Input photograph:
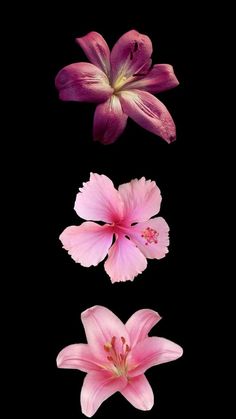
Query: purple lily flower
{"points": [[121, 82]]}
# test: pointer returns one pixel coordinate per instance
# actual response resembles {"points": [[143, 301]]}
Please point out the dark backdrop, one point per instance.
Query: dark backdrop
{"points": [[59, 155]]}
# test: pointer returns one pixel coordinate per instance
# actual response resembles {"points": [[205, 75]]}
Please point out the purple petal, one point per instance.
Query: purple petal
{"points": [[83, 82], [109, 121], [96, 50], [161, 77], [130, 53], [149, 112]]}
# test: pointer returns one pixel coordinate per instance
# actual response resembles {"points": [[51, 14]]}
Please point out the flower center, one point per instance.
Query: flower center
{"points": [[117, 359], [119, 82], [150, 235]]}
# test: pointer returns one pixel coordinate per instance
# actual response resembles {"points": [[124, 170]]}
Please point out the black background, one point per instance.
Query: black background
{"points": [[59, 154]]}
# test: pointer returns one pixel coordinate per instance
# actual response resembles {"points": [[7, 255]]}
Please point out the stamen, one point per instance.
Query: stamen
{"points": [[113, 339], [127, 348], [107, 346], [123, 340], [150, 235]]}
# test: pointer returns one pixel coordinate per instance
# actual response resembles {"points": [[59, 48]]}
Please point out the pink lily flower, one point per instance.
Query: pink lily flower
{"points": [[121, 82], [127, 213], [117, 356]]}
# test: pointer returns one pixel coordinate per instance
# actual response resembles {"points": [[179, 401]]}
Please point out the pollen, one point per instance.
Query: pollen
{"points": [[150, 235]]}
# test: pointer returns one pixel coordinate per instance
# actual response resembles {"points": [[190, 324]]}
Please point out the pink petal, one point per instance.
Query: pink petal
{"points": [[139, 393], [88, 243], [100, 325], [79, 357], [109, 121], [149, 112], [142, 200], [161, 77], [160, 230], [152, 351], [83, 82], [96, 50], [130, 53], [140, 324], [98, 200], [97, 387], [125, 261]]}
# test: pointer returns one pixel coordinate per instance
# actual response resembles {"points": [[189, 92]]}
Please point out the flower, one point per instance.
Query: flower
{"points": [[117, 356], [121, 83], [127, 213]]}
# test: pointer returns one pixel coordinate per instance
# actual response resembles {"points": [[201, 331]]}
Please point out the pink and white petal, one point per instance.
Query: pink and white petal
{"points": [[96, 50], [149, 113], [88, 243], [130, 53], [125, 261], [161, 77], [151, 237], [83, 82], [109, 121], [98, 200], [100, 325], [150, 352], [97, 387], [78, 356], [139, 393], [140, 324], [142, 200]]}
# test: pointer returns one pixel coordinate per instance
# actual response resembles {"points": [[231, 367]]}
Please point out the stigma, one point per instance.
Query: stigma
{"points": [[150, 235]]}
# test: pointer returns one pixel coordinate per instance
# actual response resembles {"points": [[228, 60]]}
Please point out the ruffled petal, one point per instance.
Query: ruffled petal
{"points": [[88, 243], [150, 352], [140, 324], [98, 200], [142, 200], [97, 387], [151, 237], [161, 77], [96, 50], [129, 55], [109, 121], [139, 393], [125, 261], [83, 82], [79, 357], [147, 111]]}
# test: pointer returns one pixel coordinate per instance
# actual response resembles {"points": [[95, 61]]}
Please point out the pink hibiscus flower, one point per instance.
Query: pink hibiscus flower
{"points": [[121, 82], [117, 356], [127, 213]]}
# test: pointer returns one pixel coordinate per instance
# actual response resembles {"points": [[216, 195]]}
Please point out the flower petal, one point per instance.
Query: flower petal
{"points": [[161, 77], [152, 351], [142, 200], [109, 121], [79, 357], [130, 53], [88, 243], [96, 50], [149, 248], [139, 393], [140, 324], [125, 261], [83, 82], [149, 112], [100, 325], [98, 200], [97, 387]]}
